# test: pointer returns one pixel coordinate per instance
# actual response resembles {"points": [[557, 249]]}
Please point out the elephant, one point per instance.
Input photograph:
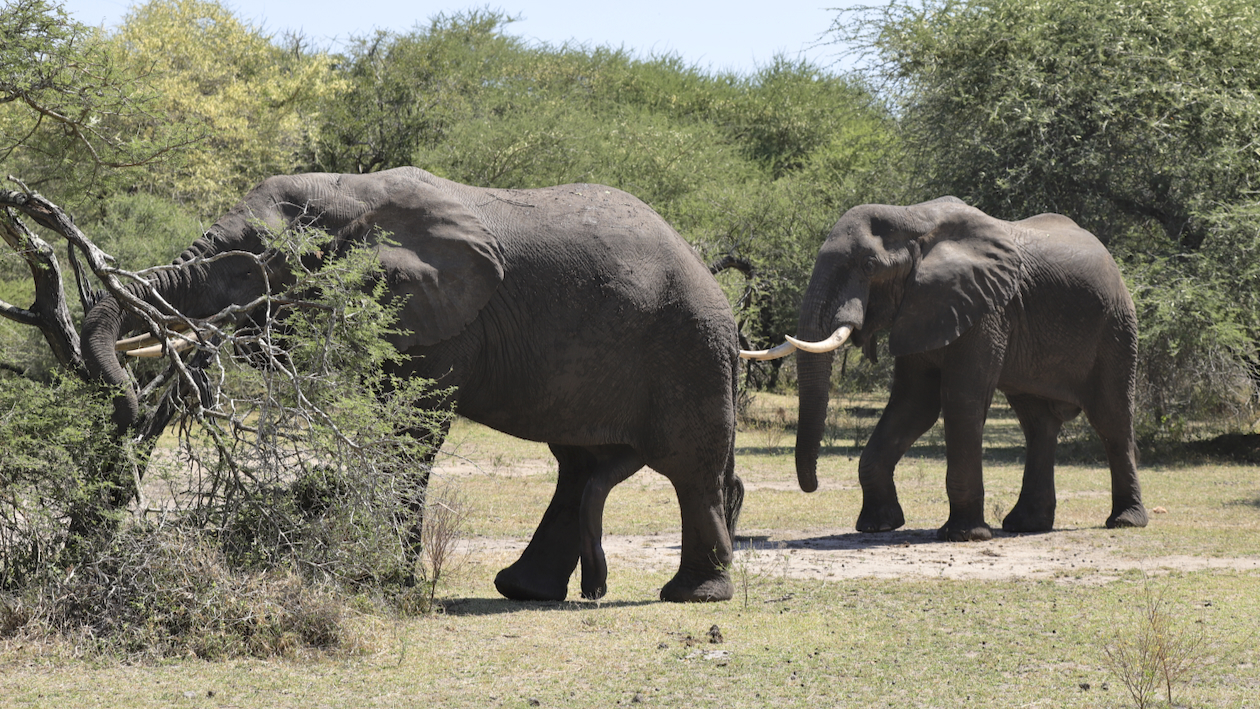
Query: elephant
{"points": [[972, 304], [571, 315]]}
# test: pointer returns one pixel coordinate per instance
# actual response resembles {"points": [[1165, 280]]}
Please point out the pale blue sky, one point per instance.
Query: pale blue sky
{"points": [[739, 34]]}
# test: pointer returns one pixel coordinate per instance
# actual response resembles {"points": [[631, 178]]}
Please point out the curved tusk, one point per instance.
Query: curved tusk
{"points": [[831, 343], [156, 350], [782, 350], [144, 339]]}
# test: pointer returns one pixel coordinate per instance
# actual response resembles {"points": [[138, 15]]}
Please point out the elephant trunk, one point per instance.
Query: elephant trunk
{"points": [[814, 383], [814, 375], [101, 329]]}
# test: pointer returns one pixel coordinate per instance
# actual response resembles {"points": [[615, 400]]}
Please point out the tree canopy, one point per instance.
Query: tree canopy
{"points": [[1136, 119]]}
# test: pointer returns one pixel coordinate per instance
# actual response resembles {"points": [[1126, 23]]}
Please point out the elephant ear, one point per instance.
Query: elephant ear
{"points": [[438, 257], [967, 267]]}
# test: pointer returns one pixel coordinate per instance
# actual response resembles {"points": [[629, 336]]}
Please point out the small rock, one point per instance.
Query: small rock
{"points": [[637, 698], [533, 702], [1084, 686], [1160, 511]]}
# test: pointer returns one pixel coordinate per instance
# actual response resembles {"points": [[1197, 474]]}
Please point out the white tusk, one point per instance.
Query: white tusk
{"points": [[782, 350], [144, 340], [831, 343], [156, 350], [132, 342]]}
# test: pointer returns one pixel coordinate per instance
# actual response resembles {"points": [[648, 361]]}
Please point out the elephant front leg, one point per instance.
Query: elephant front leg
{"points": [[913, 407], [543, 570], [968, 380], [610, 471], [964, 483]]}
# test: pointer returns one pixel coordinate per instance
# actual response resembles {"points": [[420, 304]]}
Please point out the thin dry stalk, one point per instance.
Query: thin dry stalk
{"points": [[445, 518], [1158, 652]]}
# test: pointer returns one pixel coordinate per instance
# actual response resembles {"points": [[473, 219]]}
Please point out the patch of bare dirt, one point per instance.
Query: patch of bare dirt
{"points": [[1070, 556], [1065, 555]]}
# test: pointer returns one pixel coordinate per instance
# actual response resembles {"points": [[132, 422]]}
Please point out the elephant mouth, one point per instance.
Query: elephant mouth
{"points": [[832, 343]]}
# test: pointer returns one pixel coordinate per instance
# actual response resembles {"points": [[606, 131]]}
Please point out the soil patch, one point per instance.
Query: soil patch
{"points": [[1067, 556]]}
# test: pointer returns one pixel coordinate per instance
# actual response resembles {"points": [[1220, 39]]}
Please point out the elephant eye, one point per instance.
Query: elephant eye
{"points": [[870, 265]]}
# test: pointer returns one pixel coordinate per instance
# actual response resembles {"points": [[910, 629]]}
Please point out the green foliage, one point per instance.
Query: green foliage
{"points": [[1136, 119], [72, 111], [55, 473], [141, 230], [246, 95], [1191, 347], [1117, 114], [306, 459]]}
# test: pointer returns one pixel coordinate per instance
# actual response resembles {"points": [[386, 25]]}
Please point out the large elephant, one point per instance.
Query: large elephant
{"points": [[1035, 308], [572, 315]]}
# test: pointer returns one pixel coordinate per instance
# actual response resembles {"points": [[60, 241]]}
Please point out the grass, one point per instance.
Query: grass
{"points": [[855, 642], [798, 644]]}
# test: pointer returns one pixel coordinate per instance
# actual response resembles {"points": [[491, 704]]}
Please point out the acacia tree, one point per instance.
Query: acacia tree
{"points": [[248, 93], [298, 442], [71, 111], [298, 460]]}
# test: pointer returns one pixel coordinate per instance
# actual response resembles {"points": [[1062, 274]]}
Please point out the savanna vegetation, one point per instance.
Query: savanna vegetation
{"points": [[1137, 119]]}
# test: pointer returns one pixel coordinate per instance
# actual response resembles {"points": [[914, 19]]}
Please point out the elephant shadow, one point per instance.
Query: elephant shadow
{"points": [[856, 541], [476, 607]]}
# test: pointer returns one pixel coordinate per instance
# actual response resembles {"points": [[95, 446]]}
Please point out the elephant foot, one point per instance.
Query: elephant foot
{"points": [[1023, 520], [1134, 516], [520, 585], [880, 518], [681, 589], [593, 591], [955, 532]]}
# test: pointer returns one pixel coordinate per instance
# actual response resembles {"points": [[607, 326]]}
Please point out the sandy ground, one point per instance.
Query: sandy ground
{"points": [[1066, 555], [1061, 555]]}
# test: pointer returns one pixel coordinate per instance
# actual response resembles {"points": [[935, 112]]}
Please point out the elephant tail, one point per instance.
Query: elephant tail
{"points": [[733, 494]]}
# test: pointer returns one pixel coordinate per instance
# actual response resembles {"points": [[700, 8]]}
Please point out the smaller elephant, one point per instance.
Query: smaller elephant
{"points": [[973, 304]]}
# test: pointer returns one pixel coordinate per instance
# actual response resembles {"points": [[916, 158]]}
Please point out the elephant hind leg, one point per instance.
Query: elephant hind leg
{"points": [[1127, 509], [1112, 417], [1041, 421], [709, 495]]}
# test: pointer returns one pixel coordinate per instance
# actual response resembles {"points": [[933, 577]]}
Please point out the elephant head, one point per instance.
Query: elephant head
{"points": [[438, 256], [926, 273]]}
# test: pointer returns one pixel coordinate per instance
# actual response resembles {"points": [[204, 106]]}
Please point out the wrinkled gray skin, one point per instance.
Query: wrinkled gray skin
{"points": [[572, 315], [1035, 308]]}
